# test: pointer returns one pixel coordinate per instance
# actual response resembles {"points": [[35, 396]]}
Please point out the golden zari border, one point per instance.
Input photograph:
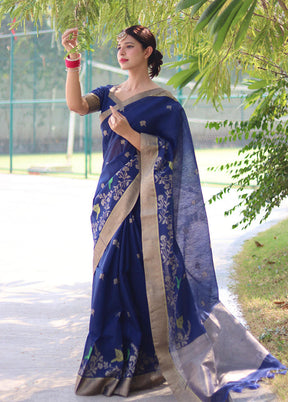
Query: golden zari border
{"points": [[93, 102], [155, 287], [119, 213], [120, 105], [109, 386]]}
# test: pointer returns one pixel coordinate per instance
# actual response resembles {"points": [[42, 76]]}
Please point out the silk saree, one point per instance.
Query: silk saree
{"points": [[155, 309]]}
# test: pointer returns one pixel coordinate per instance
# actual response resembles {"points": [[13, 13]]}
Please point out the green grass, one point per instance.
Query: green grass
{"points": [[53, 163], [261, 283], [205, 158]]}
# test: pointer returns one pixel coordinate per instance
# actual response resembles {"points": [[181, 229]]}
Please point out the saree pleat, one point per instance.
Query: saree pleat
{"points": [[119, 345], [155, 310]]}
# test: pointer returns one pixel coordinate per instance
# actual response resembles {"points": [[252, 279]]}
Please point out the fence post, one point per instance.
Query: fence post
{"points": [[89, 116], [34, 93], [86, 125], [11, 102]]}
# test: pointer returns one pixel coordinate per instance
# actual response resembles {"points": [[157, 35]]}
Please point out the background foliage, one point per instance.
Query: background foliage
{"points": [[217, 41]]}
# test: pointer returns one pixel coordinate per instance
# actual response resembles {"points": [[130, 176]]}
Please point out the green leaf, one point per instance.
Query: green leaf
{"points": [[241, 12], [183, 4], [257, 84], [222, 18], [197, 7], [224, 22], [245, 25], [179, 63], [208, 14], [253, 97], [183, 77]]}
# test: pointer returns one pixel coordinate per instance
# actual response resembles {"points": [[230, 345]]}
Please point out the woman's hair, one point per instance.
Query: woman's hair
{"points": [[146, 38]]}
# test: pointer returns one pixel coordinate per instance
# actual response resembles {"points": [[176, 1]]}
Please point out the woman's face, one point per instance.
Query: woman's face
{"points": [[130, 53]]}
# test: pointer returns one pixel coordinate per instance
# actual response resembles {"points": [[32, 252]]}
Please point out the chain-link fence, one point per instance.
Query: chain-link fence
{"points": [[39, 134]]}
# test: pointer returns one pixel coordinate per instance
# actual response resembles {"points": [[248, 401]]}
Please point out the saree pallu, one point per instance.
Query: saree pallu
{"points": [[156, 314]]}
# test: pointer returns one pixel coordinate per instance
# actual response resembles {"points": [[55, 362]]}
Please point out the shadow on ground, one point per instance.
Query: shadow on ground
{"points": [[43, 332]]}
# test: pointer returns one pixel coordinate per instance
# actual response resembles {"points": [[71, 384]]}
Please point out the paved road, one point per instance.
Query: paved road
{"points": [[45, 265]]}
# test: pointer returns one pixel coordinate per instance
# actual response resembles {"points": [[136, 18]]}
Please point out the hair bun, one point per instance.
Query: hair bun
{"points": [[155, 61], [158, 56]]}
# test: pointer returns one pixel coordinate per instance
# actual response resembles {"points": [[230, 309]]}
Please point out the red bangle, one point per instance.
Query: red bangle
{"points": [[72, 63]]}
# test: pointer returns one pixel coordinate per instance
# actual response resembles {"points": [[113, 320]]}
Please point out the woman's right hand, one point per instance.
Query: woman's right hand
{"points": [[69, 41]]}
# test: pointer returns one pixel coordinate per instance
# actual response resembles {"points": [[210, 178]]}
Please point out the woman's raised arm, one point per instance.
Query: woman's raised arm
{"points": [[75, 101]]}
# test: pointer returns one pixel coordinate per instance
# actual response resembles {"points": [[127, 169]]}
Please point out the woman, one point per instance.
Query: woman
{"points": [[155, 310]]}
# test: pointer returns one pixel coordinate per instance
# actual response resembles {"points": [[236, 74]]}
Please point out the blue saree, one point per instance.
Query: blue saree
{"points": [[155, 310]]}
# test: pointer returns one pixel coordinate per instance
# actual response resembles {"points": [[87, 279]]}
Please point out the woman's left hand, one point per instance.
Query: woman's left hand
{"points": [[120, 125]]}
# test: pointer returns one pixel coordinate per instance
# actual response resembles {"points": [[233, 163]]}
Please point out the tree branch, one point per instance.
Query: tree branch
{"points": [[282, 73], [269, 19], [265, 60], [260, 58], [282, 5], [264, 5]]}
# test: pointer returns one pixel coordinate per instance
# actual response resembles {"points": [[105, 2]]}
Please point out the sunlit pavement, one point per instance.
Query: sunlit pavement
{"points": [[46, 273]]}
